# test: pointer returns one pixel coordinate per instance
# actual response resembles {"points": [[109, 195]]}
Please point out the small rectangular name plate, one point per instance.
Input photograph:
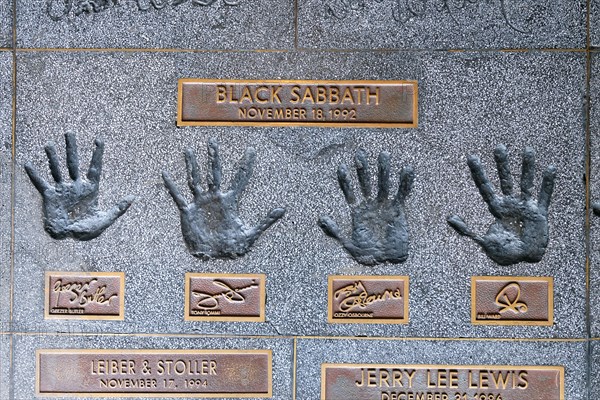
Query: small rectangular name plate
{"points": [[379, 299], [366, 104], [225, 297], [512, 300], [154, 373], [441, 382], [85, 295]]}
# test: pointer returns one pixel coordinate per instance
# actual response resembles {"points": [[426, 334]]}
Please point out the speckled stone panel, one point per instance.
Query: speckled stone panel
{"points": [[468, 103], [595, 23], [221, 24], [25, 347], [594, 363], [595, 196], [426, 24], [6, 94], [5, 366], [312, 353], [6, 23]]}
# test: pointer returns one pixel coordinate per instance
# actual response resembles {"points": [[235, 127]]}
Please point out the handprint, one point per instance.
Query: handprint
{"points": [[210, 224], [71, 208], [596, 208], [379, 227], [520, 232]]}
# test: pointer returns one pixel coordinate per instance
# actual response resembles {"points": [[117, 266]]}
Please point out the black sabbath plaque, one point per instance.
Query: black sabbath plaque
{"points": [[377, 104], [441, 382], [154, 373]]}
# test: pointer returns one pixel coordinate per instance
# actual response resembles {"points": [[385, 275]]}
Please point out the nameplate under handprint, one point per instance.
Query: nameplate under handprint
{"points": [[85, 295], [368, 299], [225, 297], [512, 300]]}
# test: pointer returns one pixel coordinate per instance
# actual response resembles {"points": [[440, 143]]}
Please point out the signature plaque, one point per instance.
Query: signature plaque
{"points": [[225, 297], [85, 295], [441, 382], [154, 373], [377, 104], [368, 299], [512, 300]]}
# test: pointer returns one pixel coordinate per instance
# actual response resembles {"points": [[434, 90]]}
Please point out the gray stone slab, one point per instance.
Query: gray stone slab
{"points": [[5, 366], [594, 370], [6, 93], [222, 24], [595, 23], [469, 102], [6, 23], [312, 353], [404, 24], [25, 347], [595, 196]]}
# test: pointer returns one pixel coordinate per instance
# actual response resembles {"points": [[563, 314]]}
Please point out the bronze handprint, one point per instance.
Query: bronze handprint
{"points": [[379, 226], [71, 208], [520, 232], [210, 224]]}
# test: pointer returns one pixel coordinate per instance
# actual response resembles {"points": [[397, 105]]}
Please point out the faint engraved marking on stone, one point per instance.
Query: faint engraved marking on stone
{"points": [[368, 299], [225, 297], [380, 104], [210, 224], [379, 226], [512, 300], [441, 382], [71, 208], [154, 373], [405, 11], [61, 9], [520, 232], [84, 295]]}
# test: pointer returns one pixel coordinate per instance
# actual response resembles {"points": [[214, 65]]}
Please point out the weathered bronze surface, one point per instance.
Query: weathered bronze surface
{"points": [[154, 373], [378, 104], [225, 297], [441, 382], [368, 299], [85, 295], [512, 300]]}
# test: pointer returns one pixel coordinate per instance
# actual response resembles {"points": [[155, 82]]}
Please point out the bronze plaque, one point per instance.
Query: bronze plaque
{"points": [[154, 373], [512, 300], [376, 104], [225, 297], [379, 299], [441, 382], [85, 295]]}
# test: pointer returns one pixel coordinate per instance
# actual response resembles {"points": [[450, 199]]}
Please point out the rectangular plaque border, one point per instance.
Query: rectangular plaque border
{"points": [[268, 352], [261, 318], [119, 317], [550, 305], [415, 112], [388, 321], [559, 368]]}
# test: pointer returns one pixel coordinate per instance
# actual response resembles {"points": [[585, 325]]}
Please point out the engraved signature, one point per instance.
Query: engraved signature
{"points": [[79, 293], [210, 301], [356, 296], [508, 304], [404, 11], [59, 9]]}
